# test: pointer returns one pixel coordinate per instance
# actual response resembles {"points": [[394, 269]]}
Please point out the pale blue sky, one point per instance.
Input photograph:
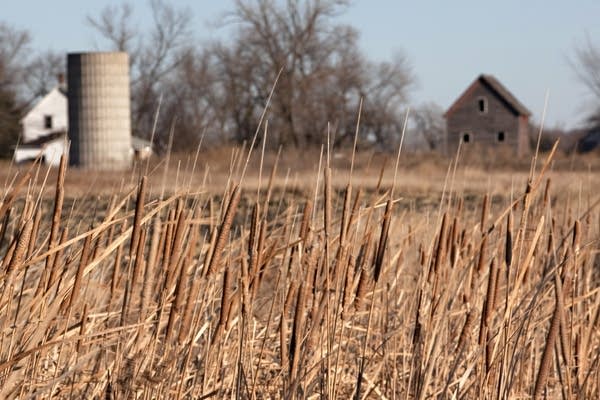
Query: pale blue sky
{"points": [[526, 44]]}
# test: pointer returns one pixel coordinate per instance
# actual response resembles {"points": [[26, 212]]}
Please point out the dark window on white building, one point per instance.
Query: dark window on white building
{"points": [[501, 136], [47, 121], [466, 137]]}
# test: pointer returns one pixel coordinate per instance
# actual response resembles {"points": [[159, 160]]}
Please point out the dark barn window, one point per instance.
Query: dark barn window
{"points": [[501, 136], [48, 121], [466, 137], [482, 105]]}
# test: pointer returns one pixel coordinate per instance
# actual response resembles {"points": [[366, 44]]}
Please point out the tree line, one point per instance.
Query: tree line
{"points": [[218, 90]]}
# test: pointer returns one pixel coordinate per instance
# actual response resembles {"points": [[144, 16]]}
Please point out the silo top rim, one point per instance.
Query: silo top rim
{"points": [[92, 53]]}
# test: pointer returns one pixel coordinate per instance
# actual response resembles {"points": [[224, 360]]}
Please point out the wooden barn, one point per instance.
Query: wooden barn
{"points": [[488, 115]]}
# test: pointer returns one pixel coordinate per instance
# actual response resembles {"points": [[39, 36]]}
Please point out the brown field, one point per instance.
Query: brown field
{"points": [[300, 280]]}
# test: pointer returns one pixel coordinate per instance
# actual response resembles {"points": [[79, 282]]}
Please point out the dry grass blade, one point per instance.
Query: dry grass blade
{"points": [[383, 239], [11, 196], [139, 208]]}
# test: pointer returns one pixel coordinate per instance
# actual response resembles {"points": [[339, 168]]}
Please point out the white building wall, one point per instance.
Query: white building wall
{"points": [[53, 104], [24, 154], [51, 152]]}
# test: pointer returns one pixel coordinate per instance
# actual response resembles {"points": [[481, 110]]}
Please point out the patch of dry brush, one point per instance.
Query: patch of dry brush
{"points": [[335, 294]]}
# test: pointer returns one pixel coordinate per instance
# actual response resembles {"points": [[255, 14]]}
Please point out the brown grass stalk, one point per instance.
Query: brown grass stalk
{"points": [[224, 229], [545, 362], [139, 209]]}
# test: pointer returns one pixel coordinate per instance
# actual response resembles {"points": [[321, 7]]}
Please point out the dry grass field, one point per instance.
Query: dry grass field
{"points": [[301, 276]]}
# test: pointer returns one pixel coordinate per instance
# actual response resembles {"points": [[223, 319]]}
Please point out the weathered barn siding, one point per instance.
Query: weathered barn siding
{"points": [[500, 125], [523, 135]]}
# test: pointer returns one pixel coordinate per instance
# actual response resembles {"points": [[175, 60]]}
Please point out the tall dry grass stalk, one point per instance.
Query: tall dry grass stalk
{"points": [[224, 230]]}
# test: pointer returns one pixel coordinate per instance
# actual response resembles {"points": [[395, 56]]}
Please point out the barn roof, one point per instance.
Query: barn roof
{"points": [[493, 84]]}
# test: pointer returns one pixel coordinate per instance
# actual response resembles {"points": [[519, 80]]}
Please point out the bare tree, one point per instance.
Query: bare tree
{"points": [[26, 73], [385, 95], [115, 25], [43, 73], [239, 89], [295, 38], [587, 67], [324, 75], [189, 94], [14, 48], [430, 125]]}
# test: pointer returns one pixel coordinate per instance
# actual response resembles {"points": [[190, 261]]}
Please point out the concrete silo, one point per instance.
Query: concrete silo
{"points": [[99, 110]]}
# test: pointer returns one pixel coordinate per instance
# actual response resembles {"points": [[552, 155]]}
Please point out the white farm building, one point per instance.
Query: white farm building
{"points": [[45, 131]]}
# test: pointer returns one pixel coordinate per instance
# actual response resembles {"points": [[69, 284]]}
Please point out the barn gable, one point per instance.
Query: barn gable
{"points": [[488, 114]]}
